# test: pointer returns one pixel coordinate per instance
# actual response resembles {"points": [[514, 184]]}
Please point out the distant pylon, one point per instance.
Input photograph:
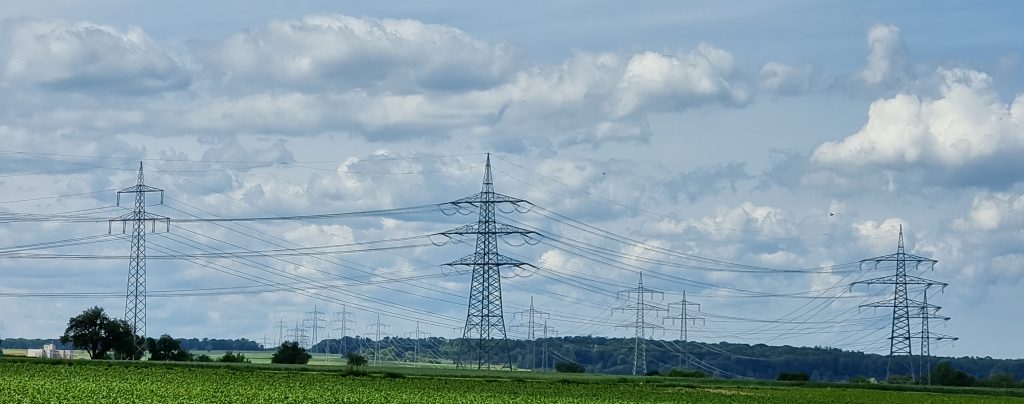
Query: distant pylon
{"points": [[925, 313], [484, 339], [281, 326], [342, 319], [315, 326], [380, 330], [135, 298], [531, 320], [684, 319], [901, 355], [638, 303], [415, 336]]}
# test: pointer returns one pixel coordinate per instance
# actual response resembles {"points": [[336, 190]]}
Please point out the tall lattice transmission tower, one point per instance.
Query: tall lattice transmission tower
{"points": [[135, 297], [925, 313], [639, 303], [484, 339], [415, 337], [531, 320], [685, 318], [341, 321], [315, 320], [380, 331], [901, 353]]}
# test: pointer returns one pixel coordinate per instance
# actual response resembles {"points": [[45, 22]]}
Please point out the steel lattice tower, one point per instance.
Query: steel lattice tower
{"points": [[640, 306], [484, 337], [315, 321], [925, 313], [380, 330], [684, 319], [901, 355], [344, 318], [532, 320], [135, 296], [415, 336]]}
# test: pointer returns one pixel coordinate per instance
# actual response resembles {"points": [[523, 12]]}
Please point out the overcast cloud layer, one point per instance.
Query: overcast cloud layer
{"points": [[804, 148]]}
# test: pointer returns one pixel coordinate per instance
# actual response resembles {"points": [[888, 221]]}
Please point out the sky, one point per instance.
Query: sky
{"points": [[749, 155]]}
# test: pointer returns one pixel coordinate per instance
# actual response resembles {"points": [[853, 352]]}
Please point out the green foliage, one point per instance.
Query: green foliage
{"points": [[31, 380], [355, 360], [1000, 380], [653, 372], [203, 358], [687, 373], [861, 380], [793, 377], [231, 357], [569, 367], [290, 353], [944, 374], [167, 349], [394, 375], [98, 334]]}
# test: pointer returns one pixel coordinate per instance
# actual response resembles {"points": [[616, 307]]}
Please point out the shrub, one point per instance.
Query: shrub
{"points": [[653, 372], [203, 358], [231, 357], [687, 373], [290, 353], [355, 360], [569, 367], [793, 377]]}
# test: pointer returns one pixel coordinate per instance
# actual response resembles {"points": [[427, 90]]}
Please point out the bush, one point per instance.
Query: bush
{"points": [[355, 360], [203, 358], [1000, 379], [394, 375], [944, 374], [231, 357], [290, 353], [569, 367], [653, 372], [793, 377], [687, 373], [167, 349]]}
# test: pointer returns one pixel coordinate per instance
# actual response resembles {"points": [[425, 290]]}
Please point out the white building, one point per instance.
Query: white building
{"points": [[49, 351]]}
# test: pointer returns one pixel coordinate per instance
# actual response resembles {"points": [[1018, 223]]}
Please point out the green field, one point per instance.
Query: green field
{"points": [[27, 380]]}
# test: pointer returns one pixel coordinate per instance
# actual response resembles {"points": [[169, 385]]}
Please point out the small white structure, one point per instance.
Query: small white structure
{"points": [[49, 351]]}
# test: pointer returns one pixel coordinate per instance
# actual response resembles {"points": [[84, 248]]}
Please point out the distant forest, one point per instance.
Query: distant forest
{"points": [[615, 356]]}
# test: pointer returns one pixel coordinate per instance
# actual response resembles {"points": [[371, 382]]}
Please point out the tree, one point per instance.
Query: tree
{"points": [[231, 357], [203, 358], [98, 334], [944, 374], [1000, 379], [167, 349], [290, 352], [355, 360], [569, 367]]}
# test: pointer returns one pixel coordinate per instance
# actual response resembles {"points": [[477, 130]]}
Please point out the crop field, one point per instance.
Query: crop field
{"points": [[83, 381]]}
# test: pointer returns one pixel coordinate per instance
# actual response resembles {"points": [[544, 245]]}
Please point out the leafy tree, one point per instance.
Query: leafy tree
{"points": [[231, 357], [568, 367], [98, 334], [1000, 379], [355, 360], [290, 352], [167, 349], [944, 374]]}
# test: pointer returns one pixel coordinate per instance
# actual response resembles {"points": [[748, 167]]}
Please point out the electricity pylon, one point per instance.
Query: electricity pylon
{"points": [[901, 355], [342, 319], [684, 320], [415, 336], [281, 326], [314, 321], [544, 334], [638, 303], [531, 320], [135, 297], [925, 313], [484, 339], [298, 334], [380, 329]]}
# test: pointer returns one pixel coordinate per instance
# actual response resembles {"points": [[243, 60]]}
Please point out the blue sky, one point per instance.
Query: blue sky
{"points": [[776, 135]]}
